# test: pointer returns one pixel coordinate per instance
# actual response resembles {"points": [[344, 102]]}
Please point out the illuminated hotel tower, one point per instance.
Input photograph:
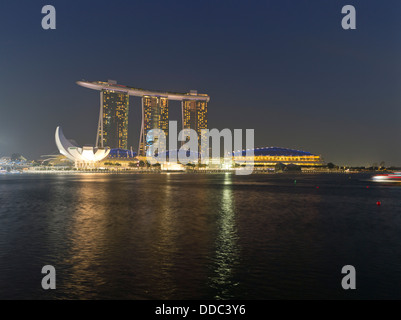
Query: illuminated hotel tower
{"points": [[194, 116], [113, 119], [154, 116]]}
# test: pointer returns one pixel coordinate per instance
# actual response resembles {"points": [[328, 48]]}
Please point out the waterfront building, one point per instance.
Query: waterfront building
{"points": [[155, 111], [194, 116], [112, 129], [122, 154], [271, 156], [154, 116], [83, 157], [120, 159]]}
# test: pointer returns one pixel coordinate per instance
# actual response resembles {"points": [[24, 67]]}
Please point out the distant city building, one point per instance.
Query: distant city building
{"points": [[271, 156], [154, 116], [113, 119]]}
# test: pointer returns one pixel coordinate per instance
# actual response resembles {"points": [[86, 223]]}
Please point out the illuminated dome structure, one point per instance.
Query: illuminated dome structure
{"points": [[270, 156], [119, 153], [84, 157]]}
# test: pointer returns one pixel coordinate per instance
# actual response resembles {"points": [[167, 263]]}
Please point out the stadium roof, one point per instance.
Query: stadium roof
{"points": [[275, 152]]}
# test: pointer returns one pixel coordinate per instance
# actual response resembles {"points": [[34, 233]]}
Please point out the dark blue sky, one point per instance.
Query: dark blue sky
{"points": [[284, 68]]}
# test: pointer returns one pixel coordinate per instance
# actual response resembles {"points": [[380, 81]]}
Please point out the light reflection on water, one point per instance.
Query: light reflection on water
{"points": [[198, 236], [227, 253]]}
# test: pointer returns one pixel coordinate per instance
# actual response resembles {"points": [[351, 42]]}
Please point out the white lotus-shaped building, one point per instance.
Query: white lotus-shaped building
{"points": [[82, 156]]}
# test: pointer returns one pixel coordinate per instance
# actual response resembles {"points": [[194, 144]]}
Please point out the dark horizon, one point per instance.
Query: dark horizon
{"points": [[284, 68]]}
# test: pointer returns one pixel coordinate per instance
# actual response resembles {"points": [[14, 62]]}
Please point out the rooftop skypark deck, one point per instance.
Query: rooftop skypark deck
{"points": [[137, 92]]}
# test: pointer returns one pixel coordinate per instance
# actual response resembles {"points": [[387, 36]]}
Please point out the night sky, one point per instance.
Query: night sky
{"points": [[284, 68]]}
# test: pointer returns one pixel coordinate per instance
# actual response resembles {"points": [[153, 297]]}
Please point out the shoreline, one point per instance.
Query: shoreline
{"points": [[130, 172]]}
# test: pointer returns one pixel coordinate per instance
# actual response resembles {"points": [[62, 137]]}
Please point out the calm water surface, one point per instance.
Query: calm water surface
{"points": [[182, 236]]}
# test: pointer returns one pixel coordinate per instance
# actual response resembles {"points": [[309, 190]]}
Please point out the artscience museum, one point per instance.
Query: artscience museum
{"points": [[83, 157]]}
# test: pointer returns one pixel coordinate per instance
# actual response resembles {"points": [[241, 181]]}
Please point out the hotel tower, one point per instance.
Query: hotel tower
{"points": [[194, 116], [154, 116], [113, 120]]}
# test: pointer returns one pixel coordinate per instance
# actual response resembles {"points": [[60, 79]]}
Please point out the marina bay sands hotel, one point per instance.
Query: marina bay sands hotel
{"points": [[112, 128]]}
